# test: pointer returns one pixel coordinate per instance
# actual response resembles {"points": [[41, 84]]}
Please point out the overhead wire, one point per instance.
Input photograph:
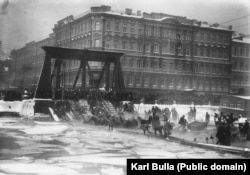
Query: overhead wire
{"points": [[242, 25], [234, 19]]}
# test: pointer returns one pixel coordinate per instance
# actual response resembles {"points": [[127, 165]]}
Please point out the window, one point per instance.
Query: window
{"points": [[201, 51], [137, 80], [132, 30], [220, 38], [116, 44], [124, 45], [147, 64], [235, 65], [140, 31], [172, 47], [131, 63], [208, 69], [97, 43], [148, 31], [187, 51], [156, 48], [132, 45], [154, 81], [97, 25], [131, 80], [117, 26], [201, 68], [139, 63], [214, 37], [124, 29], [186, 80], [220, 53], [140, 46], [108, 26], [214, 69], [171, 83], [241, 66], [162, 82], [147, 47], [171, 66], [146, 81], [156, 32], [208, 52]]}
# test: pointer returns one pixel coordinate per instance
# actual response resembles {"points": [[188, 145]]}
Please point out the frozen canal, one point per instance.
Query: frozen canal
{"points": [[28, 147]]}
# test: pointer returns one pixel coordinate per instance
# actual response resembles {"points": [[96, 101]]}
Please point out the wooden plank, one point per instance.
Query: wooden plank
{"points": [[55, 117], [70, 116]]}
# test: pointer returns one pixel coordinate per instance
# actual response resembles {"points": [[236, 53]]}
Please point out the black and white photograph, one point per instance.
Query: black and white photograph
{"points": [[87, 85]]}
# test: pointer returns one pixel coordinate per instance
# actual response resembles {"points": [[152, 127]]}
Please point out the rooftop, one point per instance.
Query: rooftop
{"points": [[151, 16], [242, 40], [243, 97]]}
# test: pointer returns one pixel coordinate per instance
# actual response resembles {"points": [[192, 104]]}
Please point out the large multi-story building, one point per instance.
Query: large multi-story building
{"points": [[28, 62], [241, 65], [163, 53]]}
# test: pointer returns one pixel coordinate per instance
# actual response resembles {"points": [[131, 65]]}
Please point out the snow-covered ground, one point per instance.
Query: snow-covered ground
{"points": [[28, 147]]}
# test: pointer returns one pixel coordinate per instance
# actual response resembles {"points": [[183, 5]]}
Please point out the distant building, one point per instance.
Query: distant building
{"points": [[241, 66], [28, 62], [164, 54]]}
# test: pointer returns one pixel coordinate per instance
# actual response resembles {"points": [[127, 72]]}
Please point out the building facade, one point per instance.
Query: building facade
{"points": [[163, 53], [28, 62], [241, 66]]}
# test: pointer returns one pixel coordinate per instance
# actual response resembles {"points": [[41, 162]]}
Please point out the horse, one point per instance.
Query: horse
{"points": [[145, 124], [156, 124]]}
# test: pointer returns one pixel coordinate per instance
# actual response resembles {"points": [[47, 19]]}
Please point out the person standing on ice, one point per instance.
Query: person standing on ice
{"points": [[167, 128], [174, 115], [183, 122], [248, 138], [194, 113], [207, 117]]}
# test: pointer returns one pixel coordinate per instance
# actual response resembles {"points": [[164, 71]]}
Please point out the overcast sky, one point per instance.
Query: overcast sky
{"points": [[22, 21]]}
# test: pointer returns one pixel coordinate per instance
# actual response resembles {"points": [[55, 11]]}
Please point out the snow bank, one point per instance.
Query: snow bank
{"points": [[25, 107], [10, 106], [54, 129]]}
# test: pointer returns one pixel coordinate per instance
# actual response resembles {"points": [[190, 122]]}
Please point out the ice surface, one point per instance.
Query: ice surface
{"points": [[17, 167]]}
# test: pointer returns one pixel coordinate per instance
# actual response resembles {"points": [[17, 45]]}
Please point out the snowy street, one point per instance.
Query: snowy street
{"points": [[29, 147]]}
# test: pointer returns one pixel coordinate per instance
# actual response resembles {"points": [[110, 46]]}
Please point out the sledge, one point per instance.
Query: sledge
{"points": [[197, 125]]}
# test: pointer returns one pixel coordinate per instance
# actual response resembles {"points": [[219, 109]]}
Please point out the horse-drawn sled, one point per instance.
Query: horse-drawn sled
{"points": [[197, 125]]}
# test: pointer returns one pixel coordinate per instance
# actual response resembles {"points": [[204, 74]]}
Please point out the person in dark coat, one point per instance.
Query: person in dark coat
{"points": [[245, 128], [207, 117], [228, 134], [221, 134], [194, 113], [167, 128], [183, 122], [248, 138]]}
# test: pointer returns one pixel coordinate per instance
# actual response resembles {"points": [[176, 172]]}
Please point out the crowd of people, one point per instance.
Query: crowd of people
{"points": [[226, 128]]}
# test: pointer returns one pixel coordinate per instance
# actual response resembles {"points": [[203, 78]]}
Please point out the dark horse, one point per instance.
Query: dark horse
{"points": [[145, 124], [156, 124]]}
